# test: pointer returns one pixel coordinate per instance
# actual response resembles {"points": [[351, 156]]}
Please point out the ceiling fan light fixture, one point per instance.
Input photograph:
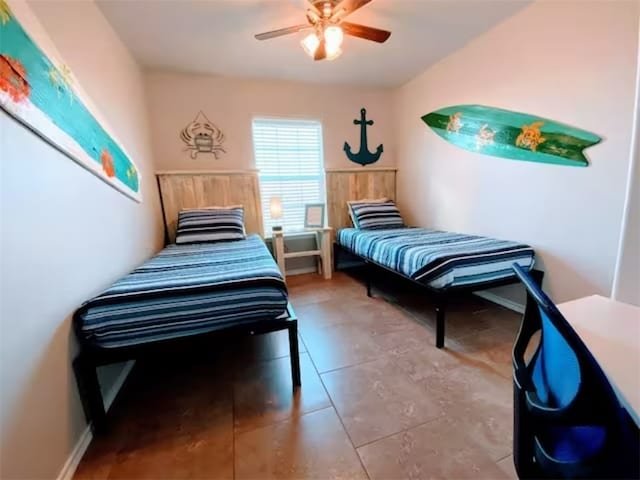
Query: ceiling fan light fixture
{"points": [[326, 18], [333, 54], [310, 44], [334, 37]]}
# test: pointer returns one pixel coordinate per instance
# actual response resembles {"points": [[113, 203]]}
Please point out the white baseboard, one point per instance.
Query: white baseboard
{"points": [[84, 441], [504, 302], [73, 461]]}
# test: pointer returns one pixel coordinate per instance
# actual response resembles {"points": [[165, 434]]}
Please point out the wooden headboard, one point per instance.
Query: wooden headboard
{"points": [[197, 189], [345, 184]]}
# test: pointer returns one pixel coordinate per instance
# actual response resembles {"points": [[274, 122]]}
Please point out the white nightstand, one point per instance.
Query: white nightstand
{"points": [[323, 251]]}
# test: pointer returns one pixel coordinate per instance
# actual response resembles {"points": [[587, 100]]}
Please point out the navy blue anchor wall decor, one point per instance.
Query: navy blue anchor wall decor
{"points": [[364, 156]]}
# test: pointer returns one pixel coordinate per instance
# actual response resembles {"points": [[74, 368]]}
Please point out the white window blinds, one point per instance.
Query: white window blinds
{"points": [[289, 159]]}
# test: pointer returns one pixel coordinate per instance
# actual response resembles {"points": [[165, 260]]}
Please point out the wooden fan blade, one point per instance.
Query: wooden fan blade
{"points": [[282, 31], [314, 9], [362, 31], [321, 51], [347, 7]]}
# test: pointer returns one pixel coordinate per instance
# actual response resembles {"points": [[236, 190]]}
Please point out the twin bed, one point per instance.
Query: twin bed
{"points": [[215, 279], [439, 260], [444, 263], [186, 291]]}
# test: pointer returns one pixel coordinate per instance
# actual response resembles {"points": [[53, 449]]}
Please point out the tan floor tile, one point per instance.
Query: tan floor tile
{"points": [[478, 400], [348, 344], [263, 395], [97, 461], [307, 291], [324, 314], [504, 318], [459, 322], [313, 446], [376, 399], [508, 468], [187, 438], [340, 346], [265, 347], [489, 350], [482, 406], [432, 450], [204, 456]]}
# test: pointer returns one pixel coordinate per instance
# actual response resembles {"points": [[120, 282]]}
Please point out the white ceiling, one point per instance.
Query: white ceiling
{"points": [[216, 37]]}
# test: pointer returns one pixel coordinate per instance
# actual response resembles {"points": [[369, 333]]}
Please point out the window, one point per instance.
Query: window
{"points": [[289, 159]]}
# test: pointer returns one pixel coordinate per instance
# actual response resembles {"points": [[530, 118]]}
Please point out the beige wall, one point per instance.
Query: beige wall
{"points": [[562, 60], [66, 235], [175, 99]]}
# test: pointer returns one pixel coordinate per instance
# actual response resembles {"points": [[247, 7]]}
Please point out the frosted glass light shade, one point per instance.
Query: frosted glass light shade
{"points": [[275, 207], [333, 37], [310, 44]]}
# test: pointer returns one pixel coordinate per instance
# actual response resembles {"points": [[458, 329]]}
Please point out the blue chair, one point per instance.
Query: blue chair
{"points": [[568, 421]]}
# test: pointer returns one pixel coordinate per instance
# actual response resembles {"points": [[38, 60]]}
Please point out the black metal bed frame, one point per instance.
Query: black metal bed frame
{"points": [[91, 356], [441, 296]]}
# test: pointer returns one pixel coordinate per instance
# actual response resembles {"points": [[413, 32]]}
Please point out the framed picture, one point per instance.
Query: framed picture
{"points": [[314, 215]]}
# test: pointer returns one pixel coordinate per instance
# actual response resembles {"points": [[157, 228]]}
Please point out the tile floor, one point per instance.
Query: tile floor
{"points": [[378, 400]]}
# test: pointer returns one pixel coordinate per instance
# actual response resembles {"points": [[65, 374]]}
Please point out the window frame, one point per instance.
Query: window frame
{"points": [[321, 178]]}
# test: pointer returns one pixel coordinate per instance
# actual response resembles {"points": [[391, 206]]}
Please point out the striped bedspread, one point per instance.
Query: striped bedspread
{"points": [[438, 259], [185, 290]]}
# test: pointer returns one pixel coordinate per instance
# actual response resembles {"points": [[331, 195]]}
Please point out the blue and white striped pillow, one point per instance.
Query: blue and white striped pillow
{"points": [[372, 215], [216, 224]]}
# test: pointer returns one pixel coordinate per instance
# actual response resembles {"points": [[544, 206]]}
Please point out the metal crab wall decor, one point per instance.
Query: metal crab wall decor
{"points": [[202, 136]]}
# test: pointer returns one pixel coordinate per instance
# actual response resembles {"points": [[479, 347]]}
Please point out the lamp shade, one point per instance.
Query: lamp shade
{"points": [[310, 43], [333, 37], [275, 207]]}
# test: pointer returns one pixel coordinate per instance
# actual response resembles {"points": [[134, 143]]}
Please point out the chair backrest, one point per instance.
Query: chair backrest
{"points": [[562, 368], [556, 370], [569, 387]]}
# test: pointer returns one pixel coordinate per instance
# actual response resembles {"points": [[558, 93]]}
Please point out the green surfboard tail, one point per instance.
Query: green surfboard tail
{"points": [[513, 135]]}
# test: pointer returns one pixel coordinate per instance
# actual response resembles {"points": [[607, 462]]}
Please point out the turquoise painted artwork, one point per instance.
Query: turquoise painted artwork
{"points": [[514, 135], [40, 93]]}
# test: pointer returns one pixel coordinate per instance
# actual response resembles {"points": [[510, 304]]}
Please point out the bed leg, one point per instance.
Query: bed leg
{"points": [[440, 311], [294, 354], [368, 278], [90, 394]]}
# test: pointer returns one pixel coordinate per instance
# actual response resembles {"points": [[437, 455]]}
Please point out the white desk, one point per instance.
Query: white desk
{"points": [[611, 331]]}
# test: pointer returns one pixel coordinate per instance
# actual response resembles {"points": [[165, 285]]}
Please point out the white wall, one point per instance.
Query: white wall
{"points": [[66, 235], [626, 285], [175, 99], [570, 61]]}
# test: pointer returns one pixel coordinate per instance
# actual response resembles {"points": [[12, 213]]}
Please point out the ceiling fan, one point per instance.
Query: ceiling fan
{"points": [[326, 19]]}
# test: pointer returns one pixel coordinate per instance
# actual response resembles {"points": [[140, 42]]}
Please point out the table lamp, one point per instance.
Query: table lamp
{"points": [[275, 206]]}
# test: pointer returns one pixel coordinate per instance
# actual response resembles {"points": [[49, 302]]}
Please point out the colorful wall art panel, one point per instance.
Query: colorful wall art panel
{"points": [[507, 134], [41, 93], [363, 156], [202, 136]]}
